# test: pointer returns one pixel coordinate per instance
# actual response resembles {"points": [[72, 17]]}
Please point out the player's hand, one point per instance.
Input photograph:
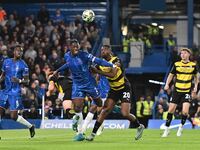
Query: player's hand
{"points": [[16, 80], [93, 69], [194, 95], [55, 73], [166, 87], [48, 93], [194, 90]]}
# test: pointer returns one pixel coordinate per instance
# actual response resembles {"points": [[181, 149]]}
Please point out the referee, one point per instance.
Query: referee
{"points": [[184, 72]]}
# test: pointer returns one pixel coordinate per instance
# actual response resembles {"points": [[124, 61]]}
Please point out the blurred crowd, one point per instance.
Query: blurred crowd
{"points": [[45, 40], [148, 107]]}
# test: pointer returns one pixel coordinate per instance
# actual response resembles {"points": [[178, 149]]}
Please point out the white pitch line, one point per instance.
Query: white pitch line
{"points": [[36, 137]]}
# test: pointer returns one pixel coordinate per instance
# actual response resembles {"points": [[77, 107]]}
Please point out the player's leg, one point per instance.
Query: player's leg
{"points": [[78, 117], [171, 110], [15, 105], [18, 118], [67, 106], [67, 102], [89, 117], [3, 103], [100, 130], [107, 108], [1, 112], [125, 110], [185, 110]]}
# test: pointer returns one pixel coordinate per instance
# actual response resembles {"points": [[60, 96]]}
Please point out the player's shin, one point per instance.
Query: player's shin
{"points": [[23, 121], [169, 119], [183, 119], [79, 121], [87, 121]]}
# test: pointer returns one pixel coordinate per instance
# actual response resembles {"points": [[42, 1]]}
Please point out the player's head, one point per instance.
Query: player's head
{"points": [[185, 54], [74, 46], [18, 51], [106, 51]]}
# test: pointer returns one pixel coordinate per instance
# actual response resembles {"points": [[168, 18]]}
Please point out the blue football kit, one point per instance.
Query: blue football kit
{"points": [[84, 84], [11, 94]]}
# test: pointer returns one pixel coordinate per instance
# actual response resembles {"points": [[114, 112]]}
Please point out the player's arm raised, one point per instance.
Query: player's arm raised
{"points": [[111, 73], [51, 88]]}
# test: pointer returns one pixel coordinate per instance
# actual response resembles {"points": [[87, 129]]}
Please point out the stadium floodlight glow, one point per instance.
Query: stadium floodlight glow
{"points": [[154, 24], [124, 30], [198, 25], [161, 27]]}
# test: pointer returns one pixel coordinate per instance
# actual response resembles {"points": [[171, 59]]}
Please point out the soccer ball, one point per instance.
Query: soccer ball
{"points": [[88, 15]]}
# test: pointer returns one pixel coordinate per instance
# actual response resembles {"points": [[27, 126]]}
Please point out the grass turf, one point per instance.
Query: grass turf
{"points": [[62, 139]]}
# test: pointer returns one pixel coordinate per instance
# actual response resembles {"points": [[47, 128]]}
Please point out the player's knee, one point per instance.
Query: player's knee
{"points": [[185, 113], [106, 111], [14, 117], [77, 109], [125, 114]]}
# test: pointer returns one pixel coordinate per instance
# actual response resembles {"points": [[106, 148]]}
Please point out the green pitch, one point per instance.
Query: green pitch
{"points": [[61, 139]]}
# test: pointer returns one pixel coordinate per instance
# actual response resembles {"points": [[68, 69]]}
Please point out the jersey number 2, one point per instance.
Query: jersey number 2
{"points": [[126, 95]]}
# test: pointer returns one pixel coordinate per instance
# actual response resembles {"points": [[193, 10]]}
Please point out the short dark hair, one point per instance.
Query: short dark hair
{"points": [[74, 41]]}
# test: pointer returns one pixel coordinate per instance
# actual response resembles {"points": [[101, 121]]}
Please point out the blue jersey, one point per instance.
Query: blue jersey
{"points": [[79, 67], [12, 68], [83, 81], [103, 86]]}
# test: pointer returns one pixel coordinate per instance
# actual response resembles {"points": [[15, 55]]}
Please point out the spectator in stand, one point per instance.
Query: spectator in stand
{"points": [[40, 74], [161, 108], [55, 60], [3, 54], [140, 109], [58, 17], [171, 43], [11, 21], [30, 28], [43, 15], [48, 28], [147, 112], [32, 113], [162, 94], [78, 20], [30, 53], [2, 16]]}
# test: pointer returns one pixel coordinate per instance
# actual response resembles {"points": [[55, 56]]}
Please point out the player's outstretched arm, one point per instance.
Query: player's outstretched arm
{"points": [[99, 61], [62, 68], [24, 80], [110, 74]]}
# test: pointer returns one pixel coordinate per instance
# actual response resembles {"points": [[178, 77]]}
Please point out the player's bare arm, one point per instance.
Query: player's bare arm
{"points": [[51, 88], [111, 74], [196, 82], [169, 79]]}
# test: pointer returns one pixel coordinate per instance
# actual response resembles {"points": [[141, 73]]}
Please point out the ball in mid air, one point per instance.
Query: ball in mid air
{"points": [[88, 15]]}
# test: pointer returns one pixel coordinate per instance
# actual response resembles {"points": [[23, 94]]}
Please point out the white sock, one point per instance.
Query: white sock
{"points": [[23, 121], [87, 121], [80, 121], [103, 101]]}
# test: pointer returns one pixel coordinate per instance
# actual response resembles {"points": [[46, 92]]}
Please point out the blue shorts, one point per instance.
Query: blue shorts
{"points": [[13, 102], [91, 91]]}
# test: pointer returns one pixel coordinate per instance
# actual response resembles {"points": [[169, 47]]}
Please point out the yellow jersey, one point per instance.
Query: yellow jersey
{"points": [[119, 80], [184, 74]]}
